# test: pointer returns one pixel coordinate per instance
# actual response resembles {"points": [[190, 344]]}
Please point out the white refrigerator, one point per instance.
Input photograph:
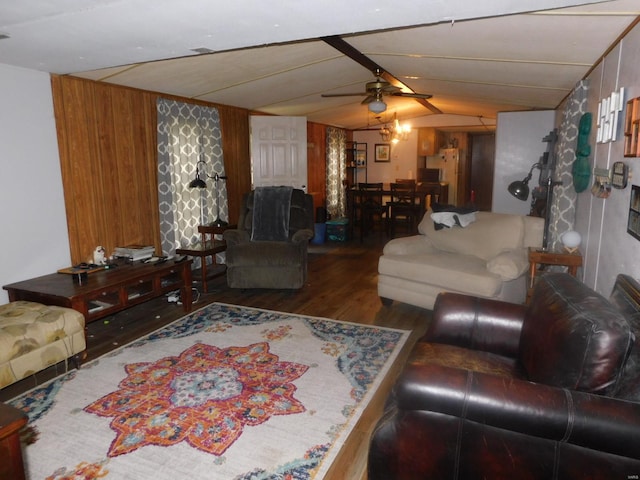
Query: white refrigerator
{"points": [[447, 161]]}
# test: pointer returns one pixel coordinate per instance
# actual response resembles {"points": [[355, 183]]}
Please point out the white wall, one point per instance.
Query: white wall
{"points": [[607, 247], [519, 145], [404, 157], [34, 238]]}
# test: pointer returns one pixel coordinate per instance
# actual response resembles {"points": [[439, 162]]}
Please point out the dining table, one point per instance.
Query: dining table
{"points": [[439, 192]]}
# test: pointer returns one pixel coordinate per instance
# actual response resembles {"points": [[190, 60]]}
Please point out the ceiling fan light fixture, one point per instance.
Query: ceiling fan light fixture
{"points": [[377, 106]]}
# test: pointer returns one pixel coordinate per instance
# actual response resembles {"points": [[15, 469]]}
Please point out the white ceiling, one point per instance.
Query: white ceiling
{"points": [[475, 58]]}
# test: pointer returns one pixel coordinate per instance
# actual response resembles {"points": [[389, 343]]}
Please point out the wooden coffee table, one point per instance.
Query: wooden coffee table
{"points": [[11, 421], [110, 291]]}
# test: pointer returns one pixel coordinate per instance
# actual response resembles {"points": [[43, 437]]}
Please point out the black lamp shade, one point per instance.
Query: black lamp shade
{"points": [[519, 189], [197, 183]]}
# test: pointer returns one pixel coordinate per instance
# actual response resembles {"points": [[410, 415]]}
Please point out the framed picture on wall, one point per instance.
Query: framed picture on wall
{"points": [[382, 152], [633, 225]]}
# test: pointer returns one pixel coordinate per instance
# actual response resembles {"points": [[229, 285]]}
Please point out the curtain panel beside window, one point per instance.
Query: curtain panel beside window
{"points": [[336, 172], [188, 134]]}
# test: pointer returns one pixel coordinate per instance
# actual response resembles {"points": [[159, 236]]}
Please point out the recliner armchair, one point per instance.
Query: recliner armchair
{"points": [[269, 247], [500, 390]]}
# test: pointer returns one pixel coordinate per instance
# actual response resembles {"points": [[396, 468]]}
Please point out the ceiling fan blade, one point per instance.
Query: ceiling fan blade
{"points": [[412, 95], [390, 90], [350, 51], [368, 100], [343, 94]]}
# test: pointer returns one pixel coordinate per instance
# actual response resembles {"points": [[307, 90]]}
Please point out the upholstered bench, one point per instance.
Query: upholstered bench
{"points": [[35, 336]]}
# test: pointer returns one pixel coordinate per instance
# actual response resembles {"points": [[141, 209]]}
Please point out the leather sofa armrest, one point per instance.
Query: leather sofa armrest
{"points": [[477, 323], [235, 236], [302, 236], [591, 421]]}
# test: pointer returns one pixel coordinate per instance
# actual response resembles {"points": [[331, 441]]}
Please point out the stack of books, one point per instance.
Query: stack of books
{"points": [[134, 252]]}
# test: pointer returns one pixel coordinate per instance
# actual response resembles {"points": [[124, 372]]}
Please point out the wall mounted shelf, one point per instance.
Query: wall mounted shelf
{"points": [[632, 128], [357, 162]]}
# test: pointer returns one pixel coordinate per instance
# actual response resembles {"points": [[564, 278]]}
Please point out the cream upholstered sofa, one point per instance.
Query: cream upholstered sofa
{"points": [[35, 336], [487, 258]]}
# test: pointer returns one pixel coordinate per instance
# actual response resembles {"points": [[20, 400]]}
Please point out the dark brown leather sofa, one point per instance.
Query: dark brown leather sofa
{"points": [[504, 391]]}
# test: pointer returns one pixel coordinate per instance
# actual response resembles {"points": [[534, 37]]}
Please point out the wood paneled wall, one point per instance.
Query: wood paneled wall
{"points": [[108, 156], [317, 163]]}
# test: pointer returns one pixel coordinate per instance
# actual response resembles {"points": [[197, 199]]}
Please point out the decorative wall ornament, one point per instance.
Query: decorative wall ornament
{"points": [[608, 112], [632, 128], [581, 169], [601, 187]]}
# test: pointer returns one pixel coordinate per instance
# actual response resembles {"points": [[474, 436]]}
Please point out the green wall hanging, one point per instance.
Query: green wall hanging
{"points": [[581, 169]]}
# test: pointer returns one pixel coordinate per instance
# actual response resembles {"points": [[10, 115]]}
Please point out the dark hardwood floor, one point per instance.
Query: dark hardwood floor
{"points": [[341, 285]]}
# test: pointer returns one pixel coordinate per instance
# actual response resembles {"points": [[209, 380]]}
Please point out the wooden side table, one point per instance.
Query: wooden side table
{"points": [[539, 257], [207, 247], [11, 421]]}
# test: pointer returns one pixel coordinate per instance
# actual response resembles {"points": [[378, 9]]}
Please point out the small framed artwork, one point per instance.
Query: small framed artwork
{"points": [[382, 152]]}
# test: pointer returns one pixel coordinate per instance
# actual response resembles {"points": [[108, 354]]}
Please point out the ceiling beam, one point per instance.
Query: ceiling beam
{"points": [[350, 51]]}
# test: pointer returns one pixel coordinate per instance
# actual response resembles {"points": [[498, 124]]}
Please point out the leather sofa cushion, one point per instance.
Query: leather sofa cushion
{"points": [[573, 337], [626, 297], [427, 353], [491, 234]]}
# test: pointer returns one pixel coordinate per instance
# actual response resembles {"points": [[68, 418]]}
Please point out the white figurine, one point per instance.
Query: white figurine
{"points": [[99, 257]]}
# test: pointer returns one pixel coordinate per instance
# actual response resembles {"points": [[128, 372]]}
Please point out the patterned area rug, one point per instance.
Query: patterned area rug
{"points": [[226, 392]]}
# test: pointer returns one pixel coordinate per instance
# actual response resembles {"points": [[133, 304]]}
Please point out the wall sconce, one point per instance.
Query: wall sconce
{"points": [[199, 183], [520, 188]]}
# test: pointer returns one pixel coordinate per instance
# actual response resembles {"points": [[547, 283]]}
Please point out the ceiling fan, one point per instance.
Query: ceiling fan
{"points": [[376, 90]]}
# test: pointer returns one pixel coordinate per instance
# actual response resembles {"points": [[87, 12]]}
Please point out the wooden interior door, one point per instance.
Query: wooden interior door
{"points": [[483, 149], [279, 151]]}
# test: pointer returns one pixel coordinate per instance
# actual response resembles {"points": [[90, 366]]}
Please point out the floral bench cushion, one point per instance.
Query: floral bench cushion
{"points": [[35, 336]]}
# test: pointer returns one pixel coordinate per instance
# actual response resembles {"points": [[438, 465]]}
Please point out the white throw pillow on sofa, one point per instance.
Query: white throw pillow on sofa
{"points": [[509, 264]]}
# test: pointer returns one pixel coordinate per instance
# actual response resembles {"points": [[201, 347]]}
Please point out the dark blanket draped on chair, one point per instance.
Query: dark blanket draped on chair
{"points": [[271, 209], [269, 247]]}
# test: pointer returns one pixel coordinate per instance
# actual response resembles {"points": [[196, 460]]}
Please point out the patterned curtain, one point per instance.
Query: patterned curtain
{"points": [[563, 205], [188, 134], [336, 172]]}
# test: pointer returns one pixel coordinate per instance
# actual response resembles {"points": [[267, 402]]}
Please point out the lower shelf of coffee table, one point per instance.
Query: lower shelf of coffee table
{"points": [[110, 291]]}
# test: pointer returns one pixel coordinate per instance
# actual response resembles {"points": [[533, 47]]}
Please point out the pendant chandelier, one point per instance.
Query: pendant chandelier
{"points": [[395, 132]]}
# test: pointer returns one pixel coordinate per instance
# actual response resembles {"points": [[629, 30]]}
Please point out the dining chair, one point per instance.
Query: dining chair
{"points": [[404, 207], [371, 206]]}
